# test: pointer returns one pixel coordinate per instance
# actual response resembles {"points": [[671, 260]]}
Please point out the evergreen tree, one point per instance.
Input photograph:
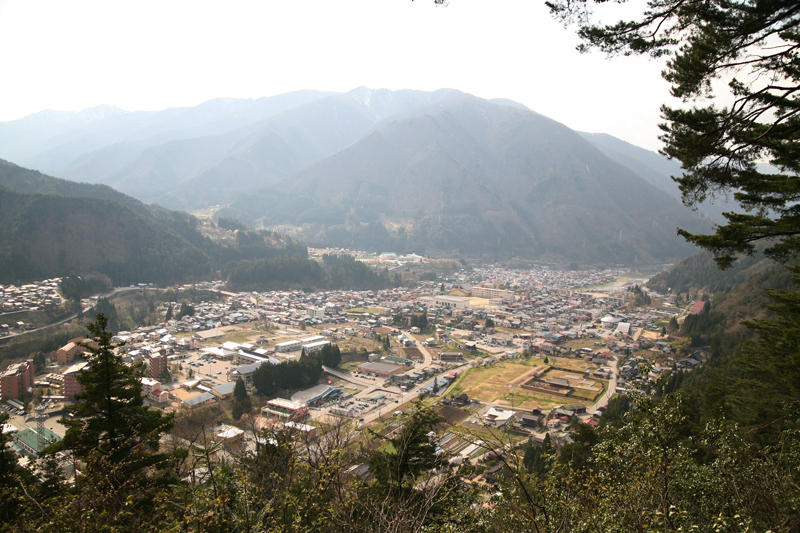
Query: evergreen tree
{"points": [[673, 326], [241, 400], [419, 320], [106, 308], [331, 356], [756, 44], [185, 310], [111, 433], [537, 456], [411, 451], [39, 361], [9, 487]]}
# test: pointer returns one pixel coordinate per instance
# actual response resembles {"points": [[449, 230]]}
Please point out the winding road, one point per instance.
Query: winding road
{"points": [[72, 316]]}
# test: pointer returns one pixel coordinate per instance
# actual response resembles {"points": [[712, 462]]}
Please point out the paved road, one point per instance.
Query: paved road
{"points": [[610, 391], [407, 396], [348, 377], [403, 396], [427, 357], [413, 394]]}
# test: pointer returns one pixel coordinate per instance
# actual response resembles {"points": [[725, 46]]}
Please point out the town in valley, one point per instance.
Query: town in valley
{"points": [[511, 354]]}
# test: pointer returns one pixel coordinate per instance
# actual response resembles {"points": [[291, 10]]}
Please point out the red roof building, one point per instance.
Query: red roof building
{"points": [[697, 307], [16, 380]]}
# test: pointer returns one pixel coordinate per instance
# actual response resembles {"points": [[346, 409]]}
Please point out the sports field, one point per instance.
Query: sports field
{"points": [[501, 383]]}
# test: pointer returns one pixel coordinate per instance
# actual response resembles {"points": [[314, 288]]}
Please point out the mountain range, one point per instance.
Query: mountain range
{"points": [[435, 172]]}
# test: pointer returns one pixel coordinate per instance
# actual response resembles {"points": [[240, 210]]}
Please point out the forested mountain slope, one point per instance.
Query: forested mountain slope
{"points": [[51, 227]]}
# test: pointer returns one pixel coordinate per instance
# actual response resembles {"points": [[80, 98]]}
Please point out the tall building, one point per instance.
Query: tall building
{"points": [[71, 384], [158, 365], [74, 348], [16, 380]]}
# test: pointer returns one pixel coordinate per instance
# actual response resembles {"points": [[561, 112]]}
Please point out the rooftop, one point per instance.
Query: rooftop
{"points": [[30, 438], [285, 404], [77, 367], [380, 367], [315, 393]]}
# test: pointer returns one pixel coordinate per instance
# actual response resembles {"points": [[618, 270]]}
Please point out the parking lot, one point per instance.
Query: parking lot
{"points": [[205, 367], [359, 406], [51, 423], [10, 409]]}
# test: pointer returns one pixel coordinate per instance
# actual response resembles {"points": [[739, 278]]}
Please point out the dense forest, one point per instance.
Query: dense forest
{"points": [[333, 272], [734, 296], [51, 227], [77, 287], [293, 375]]}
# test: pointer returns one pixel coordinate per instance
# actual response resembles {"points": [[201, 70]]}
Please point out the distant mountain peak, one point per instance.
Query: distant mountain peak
{"points": [[439, 171]]}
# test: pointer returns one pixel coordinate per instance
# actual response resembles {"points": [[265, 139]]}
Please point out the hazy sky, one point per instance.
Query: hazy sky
{"points": [[144, 54]]}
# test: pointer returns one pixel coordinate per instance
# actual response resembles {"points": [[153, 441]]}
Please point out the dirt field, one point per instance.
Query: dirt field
{"points": [[571, 364], [584, 388], [581, 343], [501, 383], [351, 343], [452, 415], [572, 376], [494, 384]]}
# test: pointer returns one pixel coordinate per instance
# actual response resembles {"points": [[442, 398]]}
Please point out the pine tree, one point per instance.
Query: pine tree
{"points": [[410, 452], [241, 400], [721, 135], [9, 492], [111, 433], [673, 326], [108, 310], [185, 310]]}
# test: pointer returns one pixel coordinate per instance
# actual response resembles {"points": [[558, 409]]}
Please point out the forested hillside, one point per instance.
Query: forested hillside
{"points": [[52, 227], [745, 378], [699, 272], [333, 272], [44, 236]]}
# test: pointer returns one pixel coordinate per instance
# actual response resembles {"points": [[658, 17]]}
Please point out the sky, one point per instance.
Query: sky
{"points": [[147, 55]]}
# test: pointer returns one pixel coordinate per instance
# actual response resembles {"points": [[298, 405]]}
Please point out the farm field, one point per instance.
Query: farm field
{"points": [[577, 344], [501, 383], [579, 365], [493, 384]]}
